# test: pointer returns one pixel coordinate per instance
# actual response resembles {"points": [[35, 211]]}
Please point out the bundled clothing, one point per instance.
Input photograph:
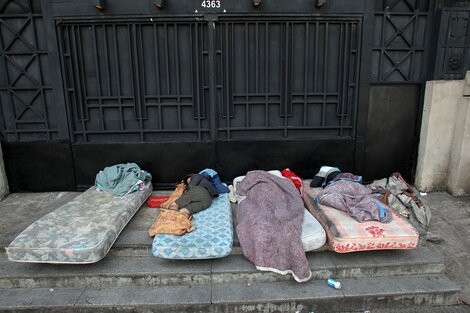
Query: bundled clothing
{"points": [[325, 173], [398, 194], [287, 173], [270, 225], [122, 179], [212, 176], [356, 200]]}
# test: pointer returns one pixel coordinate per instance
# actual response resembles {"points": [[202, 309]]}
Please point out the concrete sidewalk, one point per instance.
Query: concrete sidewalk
{"points": [[450, 221]]}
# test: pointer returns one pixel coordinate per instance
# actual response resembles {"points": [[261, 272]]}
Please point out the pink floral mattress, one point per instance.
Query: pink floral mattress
{"points": [[345, 234]]}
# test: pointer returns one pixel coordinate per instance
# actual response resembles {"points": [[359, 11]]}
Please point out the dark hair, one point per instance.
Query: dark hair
{"points": [[186, 178]]}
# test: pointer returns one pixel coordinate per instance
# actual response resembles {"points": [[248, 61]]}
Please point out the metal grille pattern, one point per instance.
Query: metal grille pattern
{"points": [[291, 79], [453, 55], [399, 39], [26, 99], [136, 81]]}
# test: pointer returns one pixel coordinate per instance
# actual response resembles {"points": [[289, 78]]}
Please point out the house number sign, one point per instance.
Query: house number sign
{"points": [[211, 4]]}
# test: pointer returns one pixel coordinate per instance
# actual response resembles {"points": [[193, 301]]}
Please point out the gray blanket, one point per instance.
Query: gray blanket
{"points": [[270, 225], [356, 200]]}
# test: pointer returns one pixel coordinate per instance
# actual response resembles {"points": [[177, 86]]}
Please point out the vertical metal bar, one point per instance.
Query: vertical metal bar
{"points": [[97, 62], [306, 58], [106, 68], [355, 30], [228, 50], [247, 77], [41, 81], [167, 61], [345, 78], [197, 85], [97, 66], [157, 75], [289, 42], [136, 72], [350, 48], [413, 37], [266, 72], [282, 60], [202, 37], [79, 71], [70, 82], [232, 78], [118, 74], [212, 85], [194, 86], [178, 91], [325, 76], [315, 72], [340, 73], [256, 57], [382, 47], [142, 67]]}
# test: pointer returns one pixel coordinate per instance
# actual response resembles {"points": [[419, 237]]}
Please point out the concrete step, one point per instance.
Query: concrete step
{"points": [[117, 271], [364, 293], [462, 308]]}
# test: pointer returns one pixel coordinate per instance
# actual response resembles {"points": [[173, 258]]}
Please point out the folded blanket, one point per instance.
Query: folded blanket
{"points": [[270, 225]]}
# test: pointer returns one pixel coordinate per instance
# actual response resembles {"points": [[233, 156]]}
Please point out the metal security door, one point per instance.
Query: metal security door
{"points": [[289, 78], [274, 78], [136, 81]]}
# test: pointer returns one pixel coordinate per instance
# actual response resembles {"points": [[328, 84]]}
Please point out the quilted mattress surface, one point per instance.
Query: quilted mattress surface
{"points": [[345, 234], [213, 237], [313, 234], [80, 231]]}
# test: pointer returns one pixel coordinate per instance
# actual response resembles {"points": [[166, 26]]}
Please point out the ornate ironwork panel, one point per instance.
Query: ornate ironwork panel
{"points": [[26, 97], [399, 40], [136, 81], [293, 78], [453, 52]]}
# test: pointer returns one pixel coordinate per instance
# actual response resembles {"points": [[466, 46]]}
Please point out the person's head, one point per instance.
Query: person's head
{"points": [[187, 179]]}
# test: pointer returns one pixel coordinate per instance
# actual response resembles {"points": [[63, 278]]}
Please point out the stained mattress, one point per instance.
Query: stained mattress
{"points": [[313, 235], [80, 231], [345, 234], [213, 237]]}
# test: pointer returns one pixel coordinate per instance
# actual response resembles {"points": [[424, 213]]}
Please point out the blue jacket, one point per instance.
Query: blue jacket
{"points": [[213, 177]]}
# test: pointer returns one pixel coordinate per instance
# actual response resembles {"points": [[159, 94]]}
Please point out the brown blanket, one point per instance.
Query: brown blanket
{"points": [[270, 225]]}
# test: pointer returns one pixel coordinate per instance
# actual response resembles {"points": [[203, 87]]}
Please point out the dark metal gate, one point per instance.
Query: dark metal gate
{"points": [[136, 81], [271, 78], [291, 78]]}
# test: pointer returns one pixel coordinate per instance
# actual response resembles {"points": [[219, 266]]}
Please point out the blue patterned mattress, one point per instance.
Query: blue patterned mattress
{"points": [[80, 231], [213, 237]]}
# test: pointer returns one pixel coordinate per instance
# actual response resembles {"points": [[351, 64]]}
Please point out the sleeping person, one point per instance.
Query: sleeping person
{"points": [[197, 195]]}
